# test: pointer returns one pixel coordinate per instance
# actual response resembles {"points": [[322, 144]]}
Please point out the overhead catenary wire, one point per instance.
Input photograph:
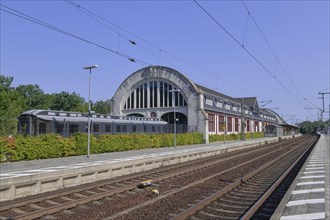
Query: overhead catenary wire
{"points": [[249, 53], [44, 24], [272, 50], [95, 44], [104, 22]]}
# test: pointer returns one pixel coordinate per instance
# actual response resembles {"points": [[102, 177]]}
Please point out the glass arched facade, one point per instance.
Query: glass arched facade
{"points": [[154, 94]]}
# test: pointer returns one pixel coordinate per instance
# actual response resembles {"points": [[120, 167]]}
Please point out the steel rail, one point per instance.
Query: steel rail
{"points": [[57, 208], [68, 191], [196, 183], [207, 201], [71, 204], [264, 197]]}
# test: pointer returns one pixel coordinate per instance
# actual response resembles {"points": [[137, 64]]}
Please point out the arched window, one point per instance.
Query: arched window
{"points": [[154, 94]]}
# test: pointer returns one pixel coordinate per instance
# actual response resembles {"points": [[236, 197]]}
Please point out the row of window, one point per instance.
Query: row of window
{"points": [[217, 122], [65, 114], [227, 106], [221, 123], [236, 109], [268, 117], [155, 94], [71, 128]]}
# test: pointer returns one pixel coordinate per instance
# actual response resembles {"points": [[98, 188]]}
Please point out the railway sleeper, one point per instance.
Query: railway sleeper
{"points": [[220, 210], [18, 211], [230, 202], [80, 195], [226, 206], [262, 181], [36, 207], [210, 216], [252, 189], [244, 198], [194, 218], [261, 184], [66, 199], [205, 215], [52, 202], [67, 212], [239, 193]]}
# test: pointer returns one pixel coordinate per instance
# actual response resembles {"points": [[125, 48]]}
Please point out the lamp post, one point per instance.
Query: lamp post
{"points": [[174, 113], [224, 119], [89, 106]]}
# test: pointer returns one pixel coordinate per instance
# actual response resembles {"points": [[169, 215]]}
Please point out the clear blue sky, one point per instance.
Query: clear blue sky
{"points": [[298, 32]]}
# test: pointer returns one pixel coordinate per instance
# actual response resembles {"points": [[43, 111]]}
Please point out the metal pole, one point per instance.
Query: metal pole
{"points": [[174, 113], [174, 126], [225, 121], [89, 106], [89, 113], [242, 121]]}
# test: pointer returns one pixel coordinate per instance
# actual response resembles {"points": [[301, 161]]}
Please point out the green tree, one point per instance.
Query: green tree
{"points": [[308, 127], [5, 82], [102, 107], [12, 104], [68, 102], [35, 98]]}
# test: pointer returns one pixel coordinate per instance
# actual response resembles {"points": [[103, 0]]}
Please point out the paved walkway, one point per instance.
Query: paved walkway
{"points": [[308, 196], [22, 168]]}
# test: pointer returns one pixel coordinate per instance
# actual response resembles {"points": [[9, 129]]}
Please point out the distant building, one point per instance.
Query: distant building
{"points": [[158, 91]]}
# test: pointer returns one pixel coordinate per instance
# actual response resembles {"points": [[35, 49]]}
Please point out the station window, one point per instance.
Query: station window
{"points": [[137, 99], [96, 128], [161, 94], [165, 94], [132, 100], [230, 124], [59, 128], [42, 128], [211, 123], [236, 125], [134, 128], [141, 97], [145, 89], [221, 123], [151, 94], [118, 128], [108, 128], [154, 94], [73, 128], [208, 101]]}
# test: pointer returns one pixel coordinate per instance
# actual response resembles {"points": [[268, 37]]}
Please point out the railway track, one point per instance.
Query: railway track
{"points": [[243, 198], [121, 199]]}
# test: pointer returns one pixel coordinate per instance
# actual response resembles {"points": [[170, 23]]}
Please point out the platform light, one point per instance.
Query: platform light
{"points": [[224, 118], [89, 106], [174, 113]]}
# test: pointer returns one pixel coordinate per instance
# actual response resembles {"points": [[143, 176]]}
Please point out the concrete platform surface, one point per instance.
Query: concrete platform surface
{"points": [[309, 194]]}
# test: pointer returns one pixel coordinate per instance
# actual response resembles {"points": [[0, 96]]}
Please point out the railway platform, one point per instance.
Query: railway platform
{"points": [[20, 179], [309, 194]]}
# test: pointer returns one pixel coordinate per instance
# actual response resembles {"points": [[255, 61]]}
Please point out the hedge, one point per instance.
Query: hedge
{"points": [[53, 146], [231, 137]]}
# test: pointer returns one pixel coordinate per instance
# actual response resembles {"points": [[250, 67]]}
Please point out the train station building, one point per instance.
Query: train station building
{"points": [[162, 92]]}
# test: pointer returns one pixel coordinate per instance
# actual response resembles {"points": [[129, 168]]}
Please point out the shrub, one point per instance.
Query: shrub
{"points": [[52, 145], [230, 137]]}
